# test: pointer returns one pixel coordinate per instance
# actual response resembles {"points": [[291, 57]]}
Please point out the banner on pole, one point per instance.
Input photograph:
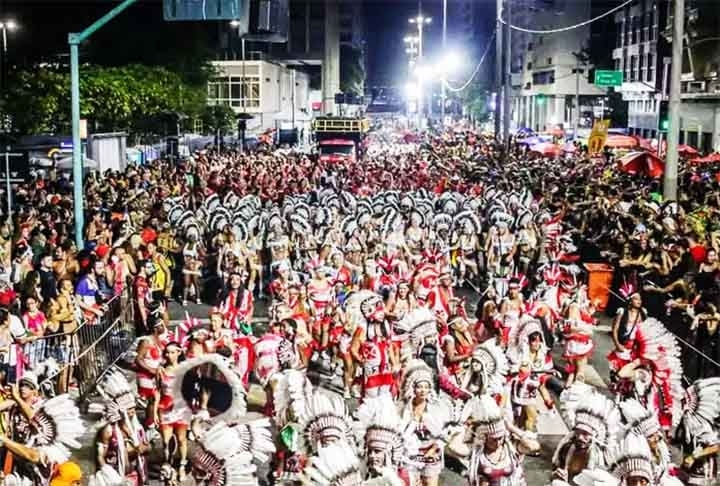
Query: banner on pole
{"points": [[598, 137]]}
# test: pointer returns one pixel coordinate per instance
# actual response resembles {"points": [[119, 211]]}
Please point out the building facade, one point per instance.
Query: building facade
{"points": [[276, 95], [550, 68], [643, 53]]}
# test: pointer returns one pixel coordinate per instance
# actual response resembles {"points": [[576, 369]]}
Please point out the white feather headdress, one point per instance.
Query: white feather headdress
{"points": [[495, 366], [334, 465], [57, 426], [238, 405], [378, 423], [326, 417], [633, 458], [220, 458], [586, 409]]}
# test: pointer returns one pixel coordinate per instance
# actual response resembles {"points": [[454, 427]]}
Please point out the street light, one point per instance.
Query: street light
{"points": [[6, 25]]}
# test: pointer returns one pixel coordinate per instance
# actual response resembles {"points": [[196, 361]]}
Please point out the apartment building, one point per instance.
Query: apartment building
{"points": [[643, 53], [547, 77]]}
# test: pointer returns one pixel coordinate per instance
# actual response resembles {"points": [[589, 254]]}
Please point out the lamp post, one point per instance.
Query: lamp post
{"points": [[5, 26], [420, 21]]}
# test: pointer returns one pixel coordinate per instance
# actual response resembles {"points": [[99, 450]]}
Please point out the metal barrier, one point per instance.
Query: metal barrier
{"points": [[85, 353]]}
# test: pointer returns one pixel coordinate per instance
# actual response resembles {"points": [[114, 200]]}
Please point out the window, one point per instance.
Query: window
{"points": [[634, 29], [652, 61], [549, 61], [544, 77], [530, 46], [633, 68], [617, 64], [540, 40], [529, 66], [231, 91]]}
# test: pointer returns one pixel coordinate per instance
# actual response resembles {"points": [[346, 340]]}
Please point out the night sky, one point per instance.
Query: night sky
{"points": [[141, 31]]}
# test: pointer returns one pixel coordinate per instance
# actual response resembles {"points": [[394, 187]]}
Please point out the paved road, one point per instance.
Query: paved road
{"points": [[537, 468]]}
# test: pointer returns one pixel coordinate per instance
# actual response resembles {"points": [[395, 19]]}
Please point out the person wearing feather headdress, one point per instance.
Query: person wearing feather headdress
{"points": [[594, 421], [372, 348], [533, 371], [697, 432], [425, 416], [466, 245], [494, 458], [644, 423]]}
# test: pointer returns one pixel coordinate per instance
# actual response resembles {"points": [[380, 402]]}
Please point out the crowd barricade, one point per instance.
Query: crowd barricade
{"points": [[87, 352]]}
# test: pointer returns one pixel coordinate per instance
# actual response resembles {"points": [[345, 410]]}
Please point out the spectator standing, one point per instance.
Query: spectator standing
{"points": [[48, 282]]}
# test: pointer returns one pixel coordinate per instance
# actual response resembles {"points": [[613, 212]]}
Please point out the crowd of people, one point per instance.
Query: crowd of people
{"points": [[339, 284]]}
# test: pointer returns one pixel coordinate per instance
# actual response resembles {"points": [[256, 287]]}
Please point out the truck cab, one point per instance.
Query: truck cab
{"points": [[340, 139]]}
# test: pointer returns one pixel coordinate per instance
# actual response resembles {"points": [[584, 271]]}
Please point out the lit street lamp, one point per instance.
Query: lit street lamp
{"points": [[6, 25], [420, 21]]}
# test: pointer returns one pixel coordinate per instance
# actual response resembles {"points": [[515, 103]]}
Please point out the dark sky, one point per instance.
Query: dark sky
{"points": [[45, 24], [387, 21]]}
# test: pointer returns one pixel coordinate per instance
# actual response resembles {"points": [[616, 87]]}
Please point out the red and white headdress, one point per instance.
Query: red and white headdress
{"points": [[325, 418], [220, 461], [485, 417]]}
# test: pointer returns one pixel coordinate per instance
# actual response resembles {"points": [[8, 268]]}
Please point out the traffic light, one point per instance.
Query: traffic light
{"points": [[664, 116]]}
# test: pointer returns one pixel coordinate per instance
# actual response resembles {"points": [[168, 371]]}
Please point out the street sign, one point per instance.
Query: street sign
{"points": [[598, 137], [208, 10], [608, 78]]}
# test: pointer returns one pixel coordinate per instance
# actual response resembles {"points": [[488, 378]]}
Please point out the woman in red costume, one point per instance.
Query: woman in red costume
{"points": [[458, 345], [171, 417], [237, 303]]}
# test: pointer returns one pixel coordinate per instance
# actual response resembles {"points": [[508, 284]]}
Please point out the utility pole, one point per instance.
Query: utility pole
{"points": [[507, 92], [577, 95], [670, 182], [498, 68], [444, 48]]}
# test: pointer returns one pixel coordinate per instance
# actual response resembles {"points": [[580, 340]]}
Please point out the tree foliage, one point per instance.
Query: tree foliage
{"points": [[352, 71], [218, 119], [475, 100], [131, 98]]}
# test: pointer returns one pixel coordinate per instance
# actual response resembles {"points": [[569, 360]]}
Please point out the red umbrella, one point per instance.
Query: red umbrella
{"points": [[645, 143], [708, 159], [621, 141], [644, 163], [546, 148], [687, 151]]}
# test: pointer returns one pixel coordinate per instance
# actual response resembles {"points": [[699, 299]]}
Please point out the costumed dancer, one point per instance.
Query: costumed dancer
{"points": [[494, 459], [594, 421], [533, 371], [379, 433], [219, 459], [578, 331], [171, 417], [653, 374], [121, 442], [697, 432], [425, 415], [466, 247], [644, 423], [371, 346], [632, 464], [337, 465]]}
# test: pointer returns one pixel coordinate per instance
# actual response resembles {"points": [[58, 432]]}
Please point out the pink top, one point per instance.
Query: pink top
{"points": [[35, 323]]}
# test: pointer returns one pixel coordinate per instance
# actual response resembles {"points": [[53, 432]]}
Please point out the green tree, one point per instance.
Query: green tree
{"points": [[352, 71], [131, 98], [218, 119], [474, 99]]}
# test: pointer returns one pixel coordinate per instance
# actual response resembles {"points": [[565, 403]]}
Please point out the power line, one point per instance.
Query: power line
{"points": [[571, 27], [475, 71]]}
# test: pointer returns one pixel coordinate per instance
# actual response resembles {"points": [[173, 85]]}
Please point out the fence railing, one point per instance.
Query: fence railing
{"points": [[86, 353]]}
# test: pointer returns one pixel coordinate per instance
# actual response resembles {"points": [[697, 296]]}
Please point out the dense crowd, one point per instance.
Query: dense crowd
{"points": [[337, 284]]}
